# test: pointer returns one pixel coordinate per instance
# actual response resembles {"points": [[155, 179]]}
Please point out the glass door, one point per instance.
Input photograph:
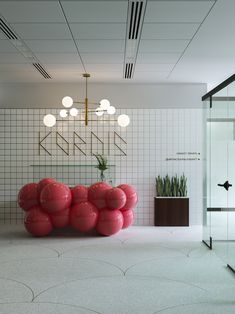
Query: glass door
{"points": [[220, 132], [219, 174], [231, 178]]}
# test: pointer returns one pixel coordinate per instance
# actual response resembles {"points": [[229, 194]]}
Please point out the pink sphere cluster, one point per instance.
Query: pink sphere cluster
{"points": [[50, 204]]}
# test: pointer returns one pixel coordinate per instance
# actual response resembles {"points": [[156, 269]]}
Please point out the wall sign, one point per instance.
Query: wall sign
{"points": [[76, 144], [190, 156]]}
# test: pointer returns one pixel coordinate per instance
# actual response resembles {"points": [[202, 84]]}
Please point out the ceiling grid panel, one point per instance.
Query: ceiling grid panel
{"points": [[18, 45], [172, 33], [168, 29]]}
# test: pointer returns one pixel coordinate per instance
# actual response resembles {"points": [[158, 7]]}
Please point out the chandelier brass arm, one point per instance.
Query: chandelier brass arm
{"points": [[103, 107]]}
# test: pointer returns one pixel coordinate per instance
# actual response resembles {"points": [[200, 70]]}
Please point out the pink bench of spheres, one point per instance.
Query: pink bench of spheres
{"points": [[50, 204]]}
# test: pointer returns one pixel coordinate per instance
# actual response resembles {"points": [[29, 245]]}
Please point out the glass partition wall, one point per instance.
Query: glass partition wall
{"points": [[219, 179]]}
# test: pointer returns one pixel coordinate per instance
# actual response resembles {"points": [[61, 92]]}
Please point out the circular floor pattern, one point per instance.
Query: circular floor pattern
{"points": [[13, 291], [124, 295], [45, 308], [200, 308], [41, 274]]}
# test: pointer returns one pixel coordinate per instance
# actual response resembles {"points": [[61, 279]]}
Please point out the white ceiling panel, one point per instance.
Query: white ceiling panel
{"points": [[9, 67], [101, 45], [51, 46], [102, 58], [53, 58], [21, 77], [65, 74], [169, 30], [150, 77], [2, 36], [98, 30], [162, 45], [71, 67], [42, 31], [31, 11], [6, 46], [12, 58], [177, 11], [154, 67], [95, 11], [146, 58], [104, 67]]}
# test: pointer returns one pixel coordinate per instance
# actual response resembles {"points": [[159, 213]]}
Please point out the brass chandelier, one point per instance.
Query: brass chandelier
{"points": [[104, 107]]}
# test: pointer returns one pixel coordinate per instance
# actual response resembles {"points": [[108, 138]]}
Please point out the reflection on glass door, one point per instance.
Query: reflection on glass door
{"points": [[219, 212]]}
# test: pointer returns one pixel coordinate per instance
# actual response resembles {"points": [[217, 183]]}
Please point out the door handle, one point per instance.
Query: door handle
{"points": [[226, 185]]}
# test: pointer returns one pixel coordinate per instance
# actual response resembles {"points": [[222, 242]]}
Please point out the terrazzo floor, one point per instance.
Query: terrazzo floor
{"points": [[141, 270]]}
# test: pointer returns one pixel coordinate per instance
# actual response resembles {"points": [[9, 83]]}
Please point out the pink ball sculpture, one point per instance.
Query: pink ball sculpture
{"points": [[60, 219], [83, 216], [96, 194], [131, 196], [109, 222], [55, 197], [28, 196], [37, 222], [128, 218], [115, 198], [101, 207], [79, 194], [43, 183]]}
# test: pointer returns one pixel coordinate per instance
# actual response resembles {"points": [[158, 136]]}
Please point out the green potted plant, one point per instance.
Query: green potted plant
{"points": [[171, 201], [102, 165]]}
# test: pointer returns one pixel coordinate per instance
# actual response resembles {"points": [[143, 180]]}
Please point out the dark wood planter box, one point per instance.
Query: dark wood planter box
{"points": [[171, 211]]}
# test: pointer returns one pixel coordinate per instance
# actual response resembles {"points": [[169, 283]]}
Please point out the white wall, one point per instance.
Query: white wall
{"points": [[173, 125], [49, 95]]}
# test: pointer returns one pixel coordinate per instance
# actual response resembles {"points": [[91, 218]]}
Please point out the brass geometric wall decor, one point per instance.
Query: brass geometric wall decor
{"points": [[75, 144], [59, 137], [113, 144]]}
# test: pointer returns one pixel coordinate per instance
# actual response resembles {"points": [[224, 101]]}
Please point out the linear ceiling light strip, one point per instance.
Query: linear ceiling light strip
{"points": [[138, 22], [135, 20], [67, 22], [40, 69], [6, 30], [43, 70], [20, 45], [131, 19]]}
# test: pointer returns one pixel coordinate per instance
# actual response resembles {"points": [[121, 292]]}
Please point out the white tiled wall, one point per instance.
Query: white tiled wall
{"points": [[154, 138]]}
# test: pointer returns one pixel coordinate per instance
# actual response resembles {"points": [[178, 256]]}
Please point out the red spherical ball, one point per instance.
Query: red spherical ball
{"points": [[131, 196], [60, 219], [115, 198], [37, 222], [28, 197], [79, 194], [83, 216], [128, 218], [96, 194], [55, 197], [43, 183], [109, 222]]}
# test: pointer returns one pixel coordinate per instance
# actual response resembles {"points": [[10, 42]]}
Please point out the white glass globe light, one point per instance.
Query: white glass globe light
{"points": [[67, 102], [123, 120], [104, 104], [49, 120], [111, 110], [99, 112], [73, 112], [63, 113]]}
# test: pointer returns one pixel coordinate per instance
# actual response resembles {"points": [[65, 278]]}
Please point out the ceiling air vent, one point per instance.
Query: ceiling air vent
{"points": [[135, 18], [128, 70], [6, 30], [41, 70]]}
